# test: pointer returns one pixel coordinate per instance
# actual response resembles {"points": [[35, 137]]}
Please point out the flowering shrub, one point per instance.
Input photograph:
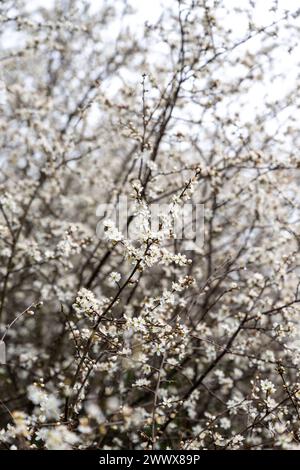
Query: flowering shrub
{"points": [[116, 341]]}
